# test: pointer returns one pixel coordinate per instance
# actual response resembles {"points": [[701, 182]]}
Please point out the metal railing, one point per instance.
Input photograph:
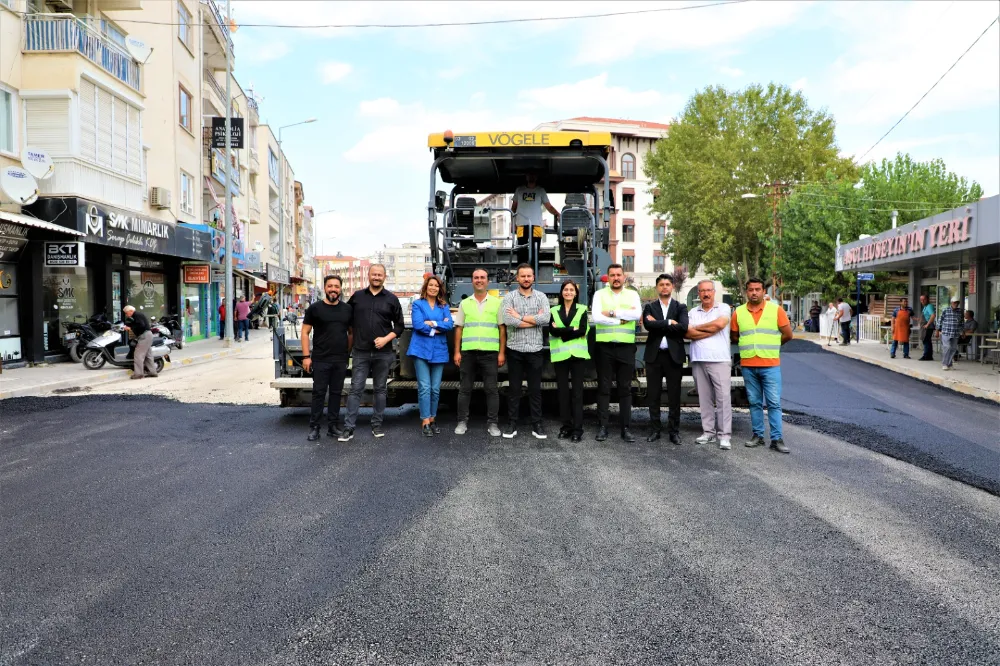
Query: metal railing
{"points": [[221, 21], [65, 33], [219, 91], [870, 328]]}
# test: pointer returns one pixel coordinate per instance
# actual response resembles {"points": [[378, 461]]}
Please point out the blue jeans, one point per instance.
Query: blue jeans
{"points": [[895, 346], [764, 384], [428, 386], [243, 327]]}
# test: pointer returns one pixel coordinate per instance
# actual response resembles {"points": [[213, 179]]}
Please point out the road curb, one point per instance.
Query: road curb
{"points": [[951, 384], [97, 379]]}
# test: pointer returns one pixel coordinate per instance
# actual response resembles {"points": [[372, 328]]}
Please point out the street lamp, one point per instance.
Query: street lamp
{"points": [[776, 193], [281, 192]]}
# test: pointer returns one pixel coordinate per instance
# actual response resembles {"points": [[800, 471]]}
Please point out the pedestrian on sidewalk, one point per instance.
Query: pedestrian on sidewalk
{"points": [[525, 313], [329, 320], [142, 362], [814, 312], [222, 320], [831, 315], [243, 319], [712, 366], [901, 317], [844, 319], [760, 328], [482, 350], [431, 321], [569, 354], [377, 320], [949, 330], [969, 326], [928, 316]]}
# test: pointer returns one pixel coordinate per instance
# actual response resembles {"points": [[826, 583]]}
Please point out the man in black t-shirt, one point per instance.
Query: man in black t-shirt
{"points": [[329, 320]]}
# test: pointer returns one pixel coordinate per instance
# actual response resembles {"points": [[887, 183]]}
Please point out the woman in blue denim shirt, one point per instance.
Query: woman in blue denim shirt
{"points": [[431, 319]]}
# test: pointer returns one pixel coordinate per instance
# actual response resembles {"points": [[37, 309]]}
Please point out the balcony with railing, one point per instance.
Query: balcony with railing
{"points": [[215, 36], [254, 162], [254, 211], [213, 88], [65, 33]]}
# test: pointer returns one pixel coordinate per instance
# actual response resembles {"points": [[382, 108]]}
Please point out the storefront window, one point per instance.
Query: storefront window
{"points": [[66, 296], [10, 331], [194, 326], [147, 293], [993, 286]]}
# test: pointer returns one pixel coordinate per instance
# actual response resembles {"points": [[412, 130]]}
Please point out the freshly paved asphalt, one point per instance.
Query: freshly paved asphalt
{"points": [[147, 531]]}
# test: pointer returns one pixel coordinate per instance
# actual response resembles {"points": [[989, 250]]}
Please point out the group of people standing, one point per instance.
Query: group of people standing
{"points": [[491, 332]]}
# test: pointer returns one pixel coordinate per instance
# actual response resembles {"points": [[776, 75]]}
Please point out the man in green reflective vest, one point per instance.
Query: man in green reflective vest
{"points": [[480, 340], [615, 311], [760, 327]]}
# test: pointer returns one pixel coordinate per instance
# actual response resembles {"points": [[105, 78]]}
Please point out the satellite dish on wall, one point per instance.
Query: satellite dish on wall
{"points": [[138, 49], [19, 185], [38, 163]]}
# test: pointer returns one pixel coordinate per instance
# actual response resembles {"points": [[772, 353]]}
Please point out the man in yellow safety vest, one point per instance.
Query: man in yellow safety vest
{"points": [[760, 327], [480, 341]]}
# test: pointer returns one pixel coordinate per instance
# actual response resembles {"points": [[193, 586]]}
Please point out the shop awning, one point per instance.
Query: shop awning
{"points": [[260, 284], [28, 221]]}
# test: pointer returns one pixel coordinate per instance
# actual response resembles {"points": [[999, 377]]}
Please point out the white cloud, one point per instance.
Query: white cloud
{"points": [[732, 72], [260, 53], [383, 107], [452, 72], [800, 84], [334, 71], [590, 96]]}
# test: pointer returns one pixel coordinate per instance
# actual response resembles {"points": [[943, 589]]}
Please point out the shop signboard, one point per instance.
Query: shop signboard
{"points": [[218, 277], [13, 239], [65, 254], [197, 274], [277, 275], [253, 261], [235, 133], [219, 250], [193, 243]]}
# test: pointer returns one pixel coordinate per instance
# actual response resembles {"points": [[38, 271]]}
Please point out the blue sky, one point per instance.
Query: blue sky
{"points": [[379, 92]]}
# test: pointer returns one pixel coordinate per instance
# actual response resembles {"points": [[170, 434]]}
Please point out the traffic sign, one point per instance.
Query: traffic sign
{"points": [[866, 277]]}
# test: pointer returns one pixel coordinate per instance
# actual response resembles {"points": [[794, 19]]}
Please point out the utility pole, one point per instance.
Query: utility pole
{"points": [[230, 291]]}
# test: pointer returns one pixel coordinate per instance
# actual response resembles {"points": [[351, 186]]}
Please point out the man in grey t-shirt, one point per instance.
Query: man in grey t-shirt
{"points": [[527, 203], [844, 319]]}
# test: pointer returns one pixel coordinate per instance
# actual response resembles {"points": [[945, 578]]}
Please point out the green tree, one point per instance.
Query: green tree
{"points": [[815, 214], [727, 144]]}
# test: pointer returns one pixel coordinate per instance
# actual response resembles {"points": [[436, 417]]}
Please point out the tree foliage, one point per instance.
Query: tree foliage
{"points": [[724, 145], [814, 214]]}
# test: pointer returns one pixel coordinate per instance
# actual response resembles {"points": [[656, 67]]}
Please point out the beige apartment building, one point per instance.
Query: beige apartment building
{"points": [[121, 94], [404, 267]]}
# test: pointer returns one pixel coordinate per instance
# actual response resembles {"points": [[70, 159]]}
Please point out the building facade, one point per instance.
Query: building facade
{"points": [[405, 267], [353, 273]]}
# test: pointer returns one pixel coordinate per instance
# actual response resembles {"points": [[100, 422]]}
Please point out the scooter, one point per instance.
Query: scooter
{"points": [[79, 334], [106, 348], [171, 325]]}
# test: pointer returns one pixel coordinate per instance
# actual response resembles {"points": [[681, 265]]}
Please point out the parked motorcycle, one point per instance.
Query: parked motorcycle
{"points": [[79, 334], [107, 348], [173, 329]]}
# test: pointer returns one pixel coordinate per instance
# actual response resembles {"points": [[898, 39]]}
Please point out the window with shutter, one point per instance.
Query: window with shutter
{"points": [[88, 120], [134, 140], [105, 127], [120, 137], [47, 125]]}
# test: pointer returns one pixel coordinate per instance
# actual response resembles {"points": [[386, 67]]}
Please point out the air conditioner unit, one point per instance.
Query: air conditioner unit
{"points": [[159, 197]]}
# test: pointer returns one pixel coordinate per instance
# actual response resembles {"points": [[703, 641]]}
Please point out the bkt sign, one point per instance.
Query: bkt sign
{"points": [[64, 254]]}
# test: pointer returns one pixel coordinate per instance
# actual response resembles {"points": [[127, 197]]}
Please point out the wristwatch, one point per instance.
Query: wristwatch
{"points": [[613, 314]]}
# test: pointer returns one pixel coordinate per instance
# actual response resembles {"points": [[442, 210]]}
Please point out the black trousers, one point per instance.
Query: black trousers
{"points": [[519, 366], [845, 332], [571, 400], [664, 366], [522, 252], [616, 361], [328, 376], [928, 343], [485, 363]]}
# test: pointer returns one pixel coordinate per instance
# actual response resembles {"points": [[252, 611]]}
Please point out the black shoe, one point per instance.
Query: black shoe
{"points": [[675, 438], [754, 442], [334, 431], [313, 434], [653, 436], [434, 428], [892, 356], [564, 432], [538, 431], [922, 358], [602, 434], [510, 431], [427, 431], [779, 446], [377, 431], [627, 435], [907, 357], [347, 435], [577, 437]]}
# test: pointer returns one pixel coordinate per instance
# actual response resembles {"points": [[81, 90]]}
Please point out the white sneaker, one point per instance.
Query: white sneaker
{"points": [[724, 444], [945, 368], [461, 428], [493, 430], [706, 439]]}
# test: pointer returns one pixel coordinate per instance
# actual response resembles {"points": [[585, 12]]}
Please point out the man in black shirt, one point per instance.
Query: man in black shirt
{"points": [[142, 360], [377, 321], [329, 320]]}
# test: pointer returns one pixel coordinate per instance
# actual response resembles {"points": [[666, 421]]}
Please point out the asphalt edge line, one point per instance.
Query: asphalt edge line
{"points": [[113, 376], [954, 385]]}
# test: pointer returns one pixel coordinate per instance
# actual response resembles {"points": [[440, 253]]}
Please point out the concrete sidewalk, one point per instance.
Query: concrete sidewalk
{"points": [[41, 379], [967, 376]]}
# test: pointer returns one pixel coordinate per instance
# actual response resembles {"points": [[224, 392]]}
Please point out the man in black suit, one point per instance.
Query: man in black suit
{"points": [[666, 320]]}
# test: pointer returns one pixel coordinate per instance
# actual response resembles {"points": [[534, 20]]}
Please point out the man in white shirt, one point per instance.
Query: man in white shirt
{"points": [[615, 311], [528, 202], [711, 365], [843, 318]]}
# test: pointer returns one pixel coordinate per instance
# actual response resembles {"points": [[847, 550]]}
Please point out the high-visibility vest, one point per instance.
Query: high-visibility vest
{"points": [[760, 339], [605, 299], [559, 350], [481, 331]]}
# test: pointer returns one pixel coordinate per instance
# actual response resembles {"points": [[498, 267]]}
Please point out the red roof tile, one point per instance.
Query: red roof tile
{"points": [[645, 124]]}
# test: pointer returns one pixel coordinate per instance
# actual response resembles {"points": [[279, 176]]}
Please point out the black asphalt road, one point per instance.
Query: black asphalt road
{"points": [[139, 531]]}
